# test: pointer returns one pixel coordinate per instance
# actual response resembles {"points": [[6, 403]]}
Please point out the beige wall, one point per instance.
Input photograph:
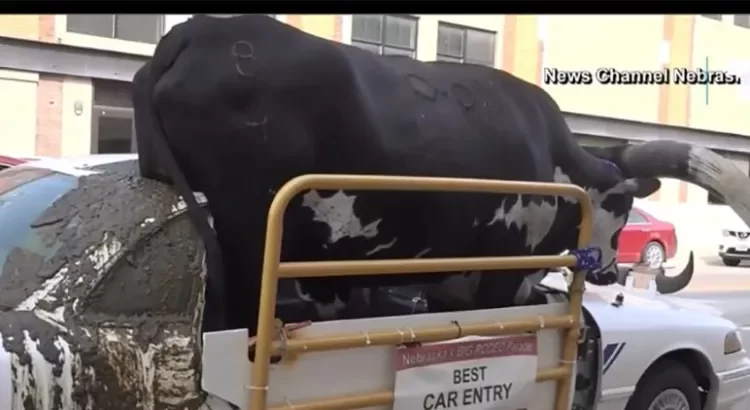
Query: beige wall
{"points": [[76, 129], [25, 26], [18, 112], [725, 45], [591, 42]]}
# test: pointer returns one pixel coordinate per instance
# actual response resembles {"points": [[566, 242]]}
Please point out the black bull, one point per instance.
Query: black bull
{"points": [[237, 107]]}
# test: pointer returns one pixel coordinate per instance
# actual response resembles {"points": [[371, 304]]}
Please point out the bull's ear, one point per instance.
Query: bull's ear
{"points": [[642, 187]]}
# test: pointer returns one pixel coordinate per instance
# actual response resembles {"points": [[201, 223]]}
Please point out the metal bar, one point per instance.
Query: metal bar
{"points": [[59, 59], [403, 266], [425, 335], [272, 266]]}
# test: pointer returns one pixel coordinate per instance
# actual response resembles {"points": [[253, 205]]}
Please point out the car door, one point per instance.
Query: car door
{"points": [[633, 238]]}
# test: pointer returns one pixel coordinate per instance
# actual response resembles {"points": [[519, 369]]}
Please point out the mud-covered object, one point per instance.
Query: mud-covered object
{"points": [[112, 320], [244, 104]]}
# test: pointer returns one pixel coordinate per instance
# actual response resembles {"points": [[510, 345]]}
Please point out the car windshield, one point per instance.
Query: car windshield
{"points": [[25, 194]]}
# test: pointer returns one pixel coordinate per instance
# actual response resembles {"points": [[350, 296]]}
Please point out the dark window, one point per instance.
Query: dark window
{"points": [[742, 20], [635, 217], [113, 126], [158, 276], [25, 195], [712, 16], [115, 131], [385, 34], [144, 28], [465, 45]]}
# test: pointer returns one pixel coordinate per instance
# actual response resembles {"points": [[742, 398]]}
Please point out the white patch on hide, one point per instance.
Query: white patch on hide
{"points": [[337, 211], [302, 295], [536, 217], [423, 252], [330, 311], [562, 178], [381, 247]]}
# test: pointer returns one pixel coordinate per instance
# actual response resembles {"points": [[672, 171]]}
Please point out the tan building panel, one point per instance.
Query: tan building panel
{"points": [[25, 26], [18, 114], [76, 116], [592, 42], [720, 107]]}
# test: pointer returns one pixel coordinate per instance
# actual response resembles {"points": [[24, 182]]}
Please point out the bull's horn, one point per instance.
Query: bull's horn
{"points": [[694, 164], [671, 284]]}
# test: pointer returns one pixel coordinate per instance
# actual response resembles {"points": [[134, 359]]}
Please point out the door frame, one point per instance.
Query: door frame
{"points": [[112, 112]]}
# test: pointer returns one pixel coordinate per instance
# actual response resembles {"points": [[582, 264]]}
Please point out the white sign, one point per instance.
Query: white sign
{"points": [[741, 248], [470, 373]]}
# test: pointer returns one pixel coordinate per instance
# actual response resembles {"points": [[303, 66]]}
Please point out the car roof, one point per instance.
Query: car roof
{"points": [[11, 161], [78, 165]]}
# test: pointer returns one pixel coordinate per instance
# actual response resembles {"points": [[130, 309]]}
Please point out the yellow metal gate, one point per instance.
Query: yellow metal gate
{"points": [[274, 269]]}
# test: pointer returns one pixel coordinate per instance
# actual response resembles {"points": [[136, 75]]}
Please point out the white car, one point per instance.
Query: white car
{"points": [[734, 246], [102, 290], [663, 352]]}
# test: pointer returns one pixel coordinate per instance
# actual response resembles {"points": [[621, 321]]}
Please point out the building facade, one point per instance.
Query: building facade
{"points": [[64, 79]]}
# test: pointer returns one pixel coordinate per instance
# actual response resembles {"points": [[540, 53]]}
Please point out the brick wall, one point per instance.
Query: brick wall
{"points": [[47, 28], [338, 22], [49, 100], [49, 115]]}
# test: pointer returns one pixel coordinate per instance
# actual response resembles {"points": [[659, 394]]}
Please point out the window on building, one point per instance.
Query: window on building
{"points": [[465, 45], [144, 28], [385, 34], [716, 17], [113, 125], [742, 20]]}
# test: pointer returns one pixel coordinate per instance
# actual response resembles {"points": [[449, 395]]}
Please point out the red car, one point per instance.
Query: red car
{"points": [[646, 239], [6, 161]]}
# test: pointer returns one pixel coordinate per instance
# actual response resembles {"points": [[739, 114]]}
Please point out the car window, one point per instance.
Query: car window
{"points": [[25, 194], [158, 276], [635, 217]]}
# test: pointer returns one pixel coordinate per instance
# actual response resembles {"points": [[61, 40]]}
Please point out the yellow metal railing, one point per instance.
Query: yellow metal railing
{"points": [[274, 269]]}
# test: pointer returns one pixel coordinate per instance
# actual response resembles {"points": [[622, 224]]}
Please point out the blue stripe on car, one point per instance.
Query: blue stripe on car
{"points": [[610, 354]]}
